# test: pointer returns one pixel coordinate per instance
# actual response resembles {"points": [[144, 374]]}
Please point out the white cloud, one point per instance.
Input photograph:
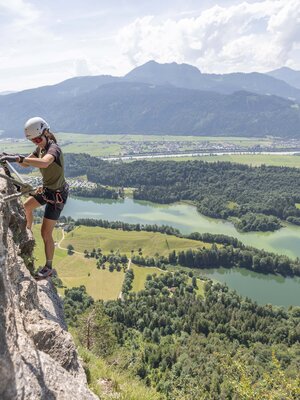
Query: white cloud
{"points": [[19, 14], [83, 67], [43, 42], [284, 26], [245, 36]]}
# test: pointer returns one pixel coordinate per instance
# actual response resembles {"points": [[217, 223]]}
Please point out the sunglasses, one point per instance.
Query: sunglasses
{"points": [[37, 140]]}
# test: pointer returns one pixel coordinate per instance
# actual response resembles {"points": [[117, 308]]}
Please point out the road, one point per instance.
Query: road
{"points": [[63, 248]]}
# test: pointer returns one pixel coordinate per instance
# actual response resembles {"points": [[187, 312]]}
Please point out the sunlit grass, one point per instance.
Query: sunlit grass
{"points": [[75, 270], [150, 243], [140, 275], [254, 160]]}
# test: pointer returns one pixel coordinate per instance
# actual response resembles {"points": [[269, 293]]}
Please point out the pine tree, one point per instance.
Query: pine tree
{"points": [[95, 331]]}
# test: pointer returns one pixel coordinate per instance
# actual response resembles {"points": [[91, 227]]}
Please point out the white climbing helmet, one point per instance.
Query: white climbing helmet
{"points": [[35, 127]]}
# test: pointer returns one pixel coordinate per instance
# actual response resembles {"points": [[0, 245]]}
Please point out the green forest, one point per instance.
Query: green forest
{"points": [[226, 257], [98, 191], [255, 198], [220, 346]]}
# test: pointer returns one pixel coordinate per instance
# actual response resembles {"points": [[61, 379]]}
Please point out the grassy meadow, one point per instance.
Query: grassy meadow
{"points": [[76, 270], [255, 160], [140, 274], [87, 238]]}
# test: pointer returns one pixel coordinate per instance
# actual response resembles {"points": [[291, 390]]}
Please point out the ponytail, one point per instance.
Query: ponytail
{"points": [[49, 135]]}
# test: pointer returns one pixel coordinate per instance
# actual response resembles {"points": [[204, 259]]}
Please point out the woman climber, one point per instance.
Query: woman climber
{"points": [[48, 157]]}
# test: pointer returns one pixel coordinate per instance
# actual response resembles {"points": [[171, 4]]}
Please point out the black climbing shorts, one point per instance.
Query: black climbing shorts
{"points": [[49, 197]]}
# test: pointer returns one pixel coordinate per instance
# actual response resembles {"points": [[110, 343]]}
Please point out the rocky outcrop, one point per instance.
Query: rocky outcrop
{"points": [[38, 358]]}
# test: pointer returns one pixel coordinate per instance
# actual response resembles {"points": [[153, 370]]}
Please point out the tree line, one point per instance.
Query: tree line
{"points": [[98, 191], [226, 257]]}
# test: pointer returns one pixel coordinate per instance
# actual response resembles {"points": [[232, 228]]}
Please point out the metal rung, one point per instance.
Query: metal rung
{"points": [[14, 181], [23, 187], [14, 196]]}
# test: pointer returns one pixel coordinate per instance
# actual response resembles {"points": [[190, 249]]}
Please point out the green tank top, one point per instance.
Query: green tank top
{"points": [[53, 175]]}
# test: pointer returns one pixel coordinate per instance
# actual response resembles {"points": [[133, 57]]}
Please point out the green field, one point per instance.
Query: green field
{"points": [[255, 160], [76, 270], [292, 161], [87, 238], [140, 274]]}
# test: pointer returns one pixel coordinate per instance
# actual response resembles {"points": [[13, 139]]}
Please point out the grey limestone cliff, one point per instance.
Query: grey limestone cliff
{"points": [[38, 358]]}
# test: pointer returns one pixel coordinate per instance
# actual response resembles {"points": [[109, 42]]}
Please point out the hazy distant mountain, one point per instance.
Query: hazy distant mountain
{"points": [[186, 76], [83, 84], [129, 107], [288, 75], [68, 89], [161, 99], [6, 92], [180, 75]]}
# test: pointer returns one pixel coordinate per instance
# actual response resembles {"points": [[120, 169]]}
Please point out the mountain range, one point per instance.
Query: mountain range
{"points": [[6, 92], [288, 75], [163, 99]]}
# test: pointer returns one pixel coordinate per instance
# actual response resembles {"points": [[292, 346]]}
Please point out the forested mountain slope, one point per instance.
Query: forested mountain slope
{"points": [[288, 75], [189, 77], [186, 346], [160, 99]]}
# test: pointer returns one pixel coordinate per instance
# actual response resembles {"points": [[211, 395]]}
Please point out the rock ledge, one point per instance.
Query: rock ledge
{"points": [[38, 358]]}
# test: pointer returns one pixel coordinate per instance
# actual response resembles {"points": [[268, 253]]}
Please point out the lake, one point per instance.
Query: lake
{"points": [[262, 288]]}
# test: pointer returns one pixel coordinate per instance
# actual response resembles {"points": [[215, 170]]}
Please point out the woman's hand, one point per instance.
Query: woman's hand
{"points": [[10, 158]]}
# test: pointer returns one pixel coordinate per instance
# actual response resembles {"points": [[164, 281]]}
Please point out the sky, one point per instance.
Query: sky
{"points": [[43, 42]]}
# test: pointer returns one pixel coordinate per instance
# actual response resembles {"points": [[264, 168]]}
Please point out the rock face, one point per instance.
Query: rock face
{"points": [[38, 358]]}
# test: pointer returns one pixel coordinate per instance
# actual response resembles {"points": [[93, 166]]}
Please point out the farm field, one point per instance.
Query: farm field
{"points": [[86, 238], [255, 160], [75, 270]]}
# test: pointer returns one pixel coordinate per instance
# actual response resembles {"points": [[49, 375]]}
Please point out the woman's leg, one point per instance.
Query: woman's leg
{"points": [[46, 232], [29, 205]]}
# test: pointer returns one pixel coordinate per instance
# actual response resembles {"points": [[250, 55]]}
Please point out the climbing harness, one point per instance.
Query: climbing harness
{"points": [[23, 188], [56, 195]]}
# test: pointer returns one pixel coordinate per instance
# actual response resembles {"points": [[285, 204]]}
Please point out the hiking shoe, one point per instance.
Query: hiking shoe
{"points": [[44, 273]]}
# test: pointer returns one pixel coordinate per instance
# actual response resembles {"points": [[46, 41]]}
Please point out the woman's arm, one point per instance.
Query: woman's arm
{"points": [[23, 164], [32, 161]]}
